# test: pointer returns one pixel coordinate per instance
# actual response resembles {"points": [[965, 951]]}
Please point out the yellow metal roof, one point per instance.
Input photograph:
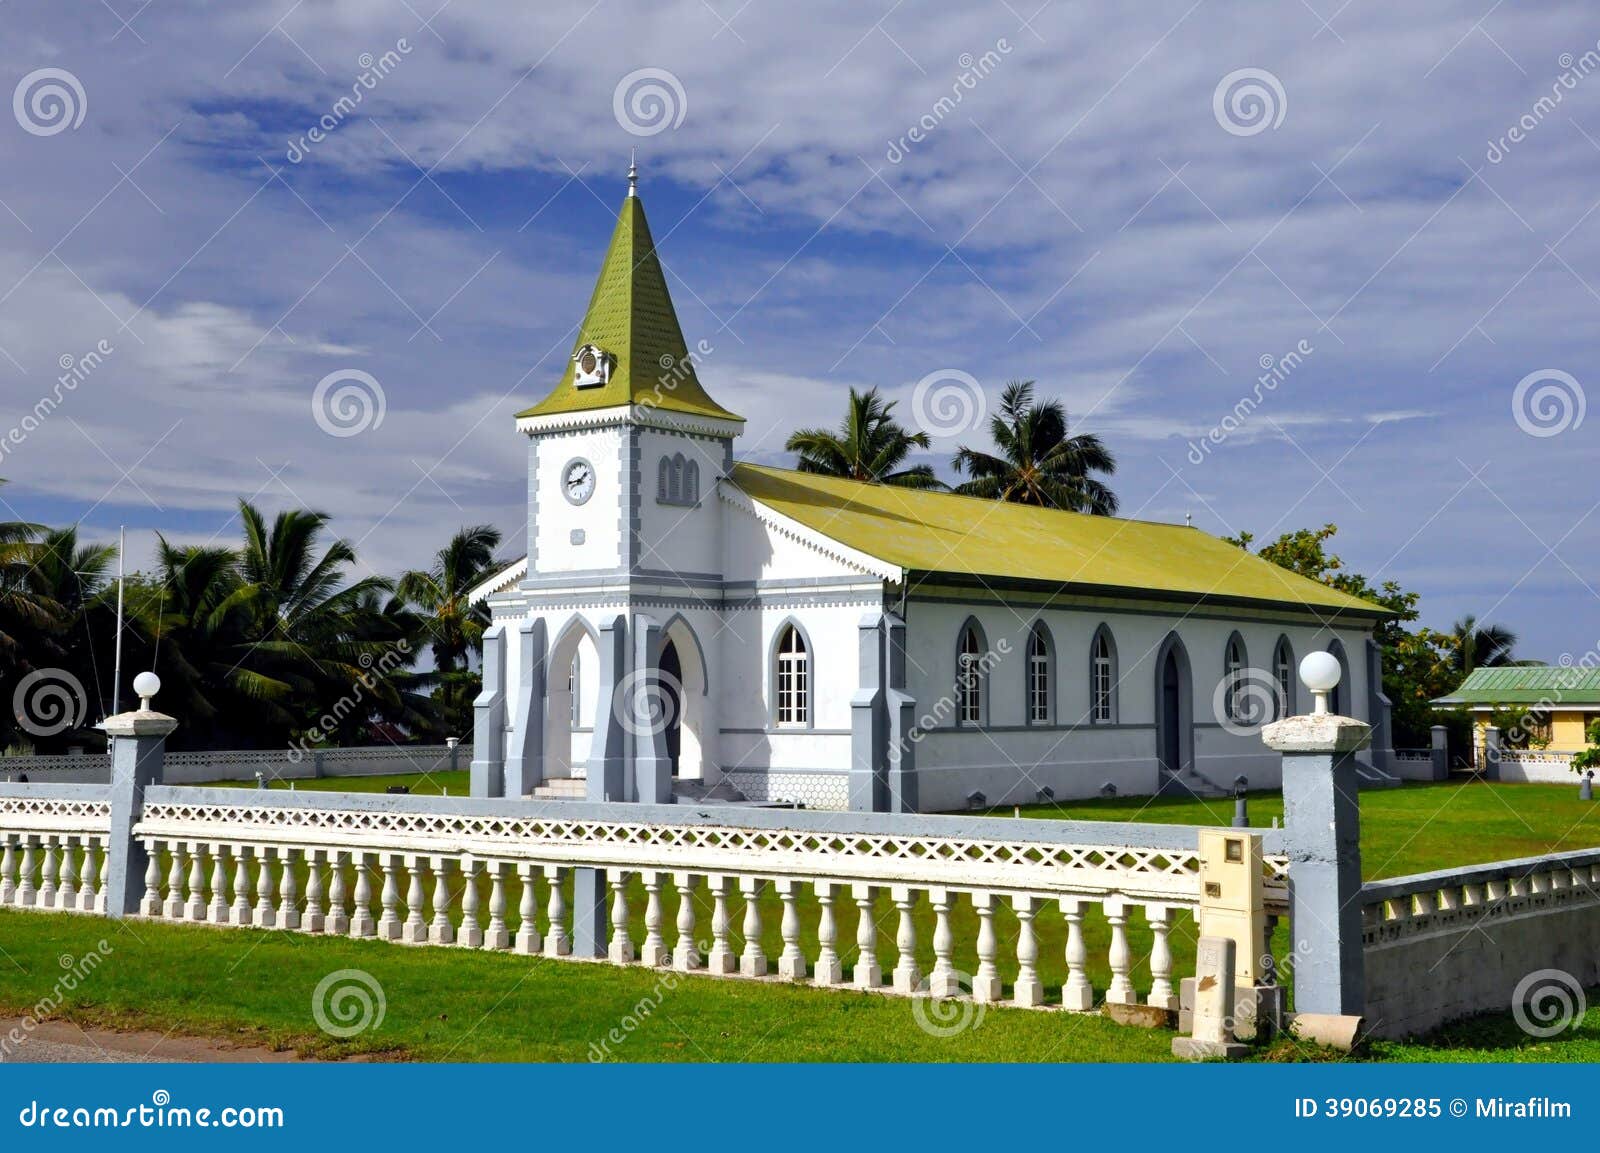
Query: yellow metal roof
{"points": [[944, 533], [631, 316]]}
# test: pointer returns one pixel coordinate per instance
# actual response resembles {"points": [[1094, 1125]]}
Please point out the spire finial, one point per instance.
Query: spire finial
{"points": [[633, 172]]}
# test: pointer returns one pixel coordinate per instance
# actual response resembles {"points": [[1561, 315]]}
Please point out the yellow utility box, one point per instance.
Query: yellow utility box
{"points": [[1232, 896]]}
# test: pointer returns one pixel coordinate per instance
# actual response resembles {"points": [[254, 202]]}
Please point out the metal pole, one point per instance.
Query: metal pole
{"points": [[116, 676]]}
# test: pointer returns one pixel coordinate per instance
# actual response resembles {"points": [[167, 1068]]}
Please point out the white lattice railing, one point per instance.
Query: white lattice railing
{"points": [[53, 853], [195, 765], [1561, 757], [417, 876], [1412, 754], [1427, 902]]}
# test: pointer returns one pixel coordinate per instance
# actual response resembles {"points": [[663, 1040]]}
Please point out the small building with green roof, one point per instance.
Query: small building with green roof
{"points": [[686, 625], [1546, 710]]}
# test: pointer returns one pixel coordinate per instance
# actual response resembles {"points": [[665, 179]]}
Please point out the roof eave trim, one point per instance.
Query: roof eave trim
{"points": [[803, 534]]}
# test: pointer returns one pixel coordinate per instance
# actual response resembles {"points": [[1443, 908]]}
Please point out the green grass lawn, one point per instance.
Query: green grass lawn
{"points": [[422, 784], [1412, 829]]}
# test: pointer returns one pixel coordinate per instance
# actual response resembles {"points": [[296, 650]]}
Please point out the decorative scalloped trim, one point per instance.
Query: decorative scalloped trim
{"points": [[818, 542]]}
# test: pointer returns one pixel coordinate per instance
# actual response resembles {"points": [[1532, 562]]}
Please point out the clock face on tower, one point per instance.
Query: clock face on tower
{"points": [[577, 481]]}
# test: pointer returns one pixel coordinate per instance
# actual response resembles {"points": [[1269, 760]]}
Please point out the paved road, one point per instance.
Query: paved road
{"points": [[63, 1043]]}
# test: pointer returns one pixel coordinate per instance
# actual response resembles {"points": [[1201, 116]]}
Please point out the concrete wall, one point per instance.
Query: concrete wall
{"points": [[242, 765], [1425, 969]]}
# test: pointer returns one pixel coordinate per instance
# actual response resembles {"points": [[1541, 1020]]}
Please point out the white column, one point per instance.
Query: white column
{"points": [[151, 905], [792, 961], [338, 899], [558, 942], [361, 922], [471, 933], [1077, 994], [389, 919], [621, 950], [47, 882], [265, 916], [942, 982], [829, 970], [1161, 992], [655, 952], [67, 894], [8, 868], [288, 891], [529, 939], [907, 978], [1121, 991], [868, 973], [685, 954], [89, 875], [195, 908], [497, 936], [314, 920], [239, 914], [1028, 991], [218, 912], [172, 910], [415, 930], [986, 982], [25, 890], [752, 962], [441, 931], [722, 958]]}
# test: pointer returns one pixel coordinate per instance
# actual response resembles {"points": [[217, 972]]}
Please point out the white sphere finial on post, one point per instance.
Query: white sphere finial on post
{"points": [[146, 685], [1320, 671]]}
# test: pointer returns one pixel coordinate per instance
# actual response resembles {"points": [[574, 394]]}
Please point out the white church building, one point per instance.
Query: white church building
{"points": [[685, 624]]}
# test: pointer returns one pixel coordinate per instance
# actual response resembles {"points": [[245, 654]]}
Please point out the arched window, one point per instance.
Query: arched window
{"points": [[1283, 672], [574, 683], [970, 676], [691, 482], [1039, 679], [664, 480], [793, 678], [1233, 665], [1338, 699], [1102, 679]]}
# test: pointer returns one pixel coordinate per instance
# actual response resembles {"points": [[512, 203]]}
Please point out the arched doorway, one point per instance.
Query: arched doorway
{"points": [[572, 684], [672, 692], [1174, 709]]}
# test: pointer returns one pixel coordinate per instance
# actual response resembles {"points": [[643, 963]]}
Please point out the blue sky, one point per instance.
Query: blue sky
{"points": [[1096, 212]]}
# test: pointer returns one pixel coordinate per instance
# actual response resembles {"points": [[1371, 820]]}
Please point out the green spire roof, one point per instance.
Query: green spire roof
{"points": [[631, 317]]}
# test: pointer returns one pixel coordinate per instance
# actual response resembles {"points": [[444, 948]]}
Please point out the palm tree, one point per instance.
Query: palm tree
{"points": [[1039, 462], [1485, 647], [454, 624], [869, 446]]}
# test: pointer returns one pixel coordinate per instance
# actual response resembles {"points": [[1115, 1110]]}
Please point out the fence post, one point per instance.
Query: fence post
{"points": [[1491, 753], [1441, 752], [869, 721], [486, 777], [138, 749], [1322, 823]]}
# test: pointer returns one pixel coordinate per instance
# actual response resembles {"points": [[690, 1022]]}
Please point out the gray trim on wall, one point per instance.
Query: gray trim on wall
{"points": [[1109, 600]]}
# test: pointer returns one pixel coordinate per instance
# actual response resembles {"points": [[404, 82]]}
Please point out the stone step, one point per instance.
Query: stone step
{"points": [[565, 788]]}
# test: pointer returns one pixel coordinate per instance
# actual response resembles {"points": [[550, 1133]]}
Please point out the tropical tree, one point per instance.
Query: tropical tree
{"points": [[869, 446], [1037, 460], [454, 625], [1474, 646]]}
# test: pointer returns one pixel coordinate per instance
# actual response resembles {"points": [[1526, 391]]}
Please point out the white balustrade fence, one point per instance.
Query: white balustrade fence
{"points": [[54, 850], [496, 875]]}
